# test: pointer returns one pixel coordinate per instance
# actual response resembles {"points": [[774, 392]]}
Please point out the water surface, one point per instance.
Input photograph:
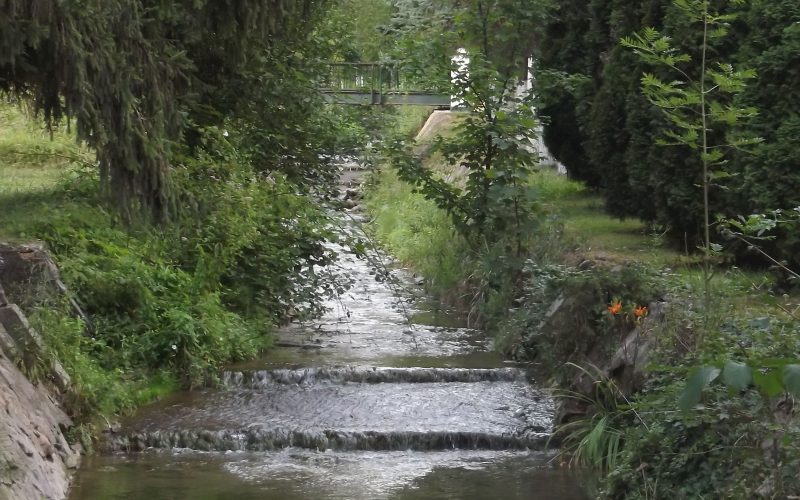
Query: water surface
{"points": [[384, 397]]}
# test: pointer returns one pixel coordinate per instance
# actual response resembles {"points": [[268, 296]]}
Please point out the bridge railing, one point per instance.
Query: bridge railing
{"points": [[375, 83], [363, 77]]}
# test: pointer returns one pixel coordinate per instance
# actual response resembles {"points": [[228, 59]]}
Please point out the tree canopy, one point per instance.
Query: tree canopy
{"points": [[604, 130], [136, 75]]}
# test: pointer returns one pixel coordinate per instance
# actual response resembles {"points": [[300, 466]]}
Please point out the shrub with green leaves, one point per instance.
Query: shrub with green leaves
{"points": [[582, 327], [715, 422], [183, 298]]}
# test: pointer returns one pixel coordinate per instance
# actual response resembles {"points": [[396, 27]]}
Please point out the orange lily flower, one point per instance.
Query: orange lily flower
{"points": [[615, 307], [640, 312]]}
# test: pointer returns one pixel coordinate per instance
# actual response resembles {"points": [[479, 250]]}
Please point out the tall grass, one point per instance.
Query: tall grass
{"points": [[552, 186], [417, 233], [597, 440], [409, 119]]}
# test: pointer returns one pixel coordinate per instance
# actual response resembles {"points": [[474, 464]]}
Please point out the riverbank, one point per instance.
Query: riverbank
{"points": [[162, 307], [584, 302], [36, 456], [387, 395]]}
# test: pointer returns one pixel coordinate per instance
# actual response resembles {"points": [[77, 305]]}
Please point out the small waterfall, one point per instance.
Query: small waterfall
{"points": [[353, 395], [260, 439], [367, 375]]}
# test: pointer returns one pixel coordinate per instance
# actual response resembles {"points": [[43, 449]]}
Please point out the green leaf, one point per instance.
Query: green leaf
{"points": [[791, 379], [718, 174], [769, 383], [698, 380], [736, 375]]}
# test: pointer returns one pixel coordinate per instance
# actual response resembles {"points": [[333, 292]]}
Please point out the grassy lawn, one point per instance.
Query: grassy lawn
{"points": [[600, 234], [32, 161], [593, 234]]}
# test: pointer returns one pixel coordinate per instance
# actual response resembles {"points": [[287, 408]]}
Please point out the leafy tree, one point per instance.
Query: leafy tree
{"points": [[136, 74], [698, 101], [603, 130], [422, 41], [490, 142], [495, 210], [768, 179]]}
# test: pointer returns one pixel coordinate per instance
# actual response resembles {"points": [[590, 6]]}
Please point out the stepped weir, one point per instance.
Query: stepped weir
{"points": [[385, 396]]}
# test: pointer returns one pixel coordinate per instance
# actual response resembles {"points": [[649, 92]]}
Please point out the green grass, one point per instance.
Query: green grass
{"points": [[32, 162], [595, 233], [552, 186], [599, 234], [30, 158], [409, 119], [417, 233]]}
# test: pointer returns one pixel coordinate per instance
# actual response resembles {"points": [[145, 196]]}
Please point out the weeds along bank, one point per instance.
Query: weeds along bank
{"points": [[166, 305], [619, 324]]}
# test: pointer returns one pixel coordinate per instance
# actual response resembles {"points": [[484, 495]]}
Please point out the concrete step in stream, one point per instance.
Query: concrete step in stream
{"points": [[256, 379], [350, 408]]}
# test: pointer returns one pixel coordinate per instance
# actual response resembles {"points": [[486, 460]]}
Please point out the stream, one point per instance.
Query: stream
{"points": [[384, 397]]}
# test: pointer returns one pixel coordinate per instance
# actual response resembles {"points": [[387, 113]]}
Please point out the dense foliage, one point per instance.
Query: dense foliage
{"points": [[740, 439], [202, 116], [140, 77], [604, 129], [169, 305], [495, 209]]}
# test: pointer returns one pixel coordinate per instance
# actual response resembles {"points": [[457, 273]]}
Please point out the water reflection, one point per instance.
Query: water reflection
{"points": [[301, 474]]}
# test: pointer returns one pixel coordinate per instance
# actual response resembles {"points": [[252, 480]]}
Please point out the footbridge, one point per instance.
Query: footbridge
{"points": [[369, 83]]}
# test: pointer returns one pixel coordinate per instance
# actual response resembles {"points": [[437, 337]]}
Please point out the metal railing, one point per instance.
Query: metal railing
{"points": [[362, 77], [375, 84]]}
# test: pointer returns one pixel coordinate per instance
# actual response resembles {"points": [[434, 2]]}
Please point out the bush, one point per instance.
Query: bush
{"points": [[181, 299], [736, 442], [582, 328]]}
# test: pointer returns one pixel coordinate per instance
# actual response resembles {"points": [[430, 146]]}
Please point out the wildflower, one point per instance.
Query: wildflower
{"points": [[640, 312], [615, 307]]}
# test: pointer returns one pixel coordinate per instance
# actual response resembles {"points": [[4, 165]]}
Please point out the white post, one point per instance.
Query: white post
{"points": [[539, 147], [461, 63]]}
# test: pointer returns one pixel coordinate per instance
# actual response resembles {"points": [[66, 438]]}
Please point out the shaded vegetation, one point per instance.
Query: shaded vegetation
{"points": [[647, 447], [605, 130], [169, 305], [139, 78]]}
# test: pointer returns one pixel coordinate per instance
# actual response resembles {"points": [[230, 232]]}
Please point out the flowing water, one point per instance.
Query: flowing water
{"points": [[360, 404]]}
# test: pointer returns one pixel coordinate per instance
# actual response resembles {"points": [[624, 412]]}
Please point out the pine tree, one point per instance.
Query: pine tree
{"points": [[135, 74]]}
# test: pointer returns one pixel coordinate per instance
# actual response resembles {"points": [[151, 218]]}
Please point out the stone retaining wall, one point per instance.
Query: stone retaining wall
{"points": [[35, 457]]}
